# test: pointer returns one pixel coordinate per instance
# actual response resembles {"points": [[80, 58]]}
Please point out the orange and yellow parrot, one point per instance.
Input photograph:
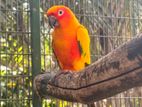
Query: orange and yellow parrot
{"points": [[71, 42]]}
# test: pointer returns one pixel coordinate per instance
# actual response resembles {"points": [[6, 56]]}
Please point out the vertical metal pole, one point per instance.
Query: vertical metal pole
{"points": [[35, 45]]}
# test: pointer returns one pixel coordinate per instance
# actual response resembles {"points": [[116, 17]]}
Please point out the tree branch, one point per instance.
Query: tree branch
{"points": [[116, 72]]}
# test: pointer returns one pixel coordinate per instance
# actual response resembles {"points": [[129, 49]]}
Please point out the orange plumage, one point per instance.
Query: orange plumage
{"points": [[71, 42]]}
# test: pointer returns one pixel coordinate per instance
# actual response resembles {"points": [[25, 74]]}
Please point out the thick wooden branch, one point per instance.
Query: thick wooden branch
{"points": [[116, 72]]}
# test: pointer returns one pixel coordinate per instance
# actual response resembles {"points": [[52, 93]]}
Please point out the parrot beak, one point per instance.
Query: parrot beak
{"points": [[53, 21]]}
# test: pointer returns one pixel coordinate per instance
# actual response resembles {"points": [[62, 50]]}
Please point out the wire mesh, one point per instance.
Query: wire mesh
{"points": [[109, 22], [15, 54]]}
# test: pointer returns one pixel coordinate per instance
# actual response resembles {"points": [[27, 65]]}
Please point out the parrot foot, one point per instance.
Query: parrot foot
{"points": [[65, 72]]}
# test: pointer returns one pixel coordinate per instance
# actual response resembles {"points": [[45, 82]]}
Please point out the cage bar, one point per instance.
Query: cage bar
{"points": [[35, 45]]}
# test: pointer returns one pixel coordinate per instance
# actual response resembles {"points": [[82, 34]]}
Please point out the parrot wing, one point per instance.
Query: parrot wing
{"points": [[84, 44]]}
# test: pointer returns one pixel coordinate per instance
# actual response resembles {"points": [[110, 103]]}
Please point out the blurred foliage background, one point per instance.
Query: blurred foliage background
{"points": [[110, 23]]}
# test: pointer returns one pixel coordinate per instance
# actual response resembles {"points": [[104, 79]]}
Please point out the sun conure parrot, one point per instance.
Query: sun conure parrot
{"points": [[70, 39]]}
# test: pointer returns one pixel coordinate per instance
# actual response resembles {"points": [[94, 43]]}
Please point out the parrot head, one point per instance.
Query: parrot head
{"points": [[59, 16]]}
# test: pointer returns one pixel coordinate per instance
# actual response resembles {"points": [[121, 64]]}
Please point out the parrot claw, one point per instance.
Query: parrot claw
{"points": [[67, 71]]}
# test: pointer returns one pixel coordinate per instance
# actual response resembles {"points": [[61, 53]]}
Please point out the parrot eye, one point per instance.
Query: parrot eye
{"points": [[60, 12]]}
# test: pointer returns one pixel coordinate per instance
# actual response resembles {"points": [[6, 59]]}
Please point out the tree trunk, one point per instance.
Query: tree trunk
{"points": [[116, 72]]}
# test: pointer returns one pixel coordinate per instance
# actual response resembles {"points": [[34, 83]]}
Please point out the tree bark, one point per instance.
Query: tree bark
{"points": [[116, 72]]}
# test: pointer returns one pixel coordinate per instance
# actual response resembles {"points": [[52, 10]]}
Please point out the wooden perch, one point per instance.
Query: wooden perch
{"points": [[116, 72]]}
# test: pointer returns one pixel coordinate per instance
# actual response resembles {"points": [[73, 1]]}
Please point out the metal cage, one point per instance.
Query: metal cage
{"points": [[25, 45]]}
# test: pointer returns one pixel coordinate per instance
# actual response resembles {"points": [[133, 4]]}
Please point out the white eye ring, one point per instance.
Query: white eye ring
{"points": [[60, 12]]}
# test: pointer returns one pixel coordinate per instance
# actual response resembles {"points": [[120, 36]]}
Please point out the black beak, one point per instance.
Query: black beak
{"points": [[53, 21]]}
